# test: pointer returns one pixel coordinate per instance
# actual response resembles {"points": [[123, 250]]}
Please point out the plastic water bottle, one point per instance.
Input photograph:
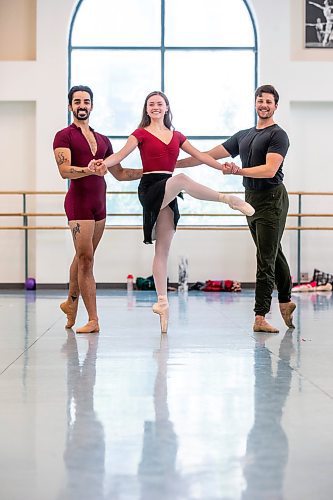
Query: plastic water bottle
{"points": [[130, 279]]}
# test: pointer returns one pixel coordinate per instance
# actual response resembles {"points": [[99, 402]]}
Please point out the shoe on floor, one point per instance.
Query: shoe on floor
{"points": [[262, 325]]}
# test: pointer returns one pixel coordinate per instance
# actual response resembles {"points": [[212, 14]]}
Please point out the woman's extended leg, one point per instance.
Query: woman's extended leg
{"points": [[165, 231], [182, 182]]}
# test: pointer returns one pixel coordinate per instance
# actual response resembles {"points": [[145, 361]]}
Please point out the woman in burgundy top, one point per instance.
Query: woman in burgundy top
{"points": [[159, 146]]}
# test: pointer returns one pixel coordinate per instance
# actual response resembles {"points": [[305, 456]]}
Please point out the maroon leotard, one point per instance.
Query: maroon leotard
{"points": [[86, 197], [155, 154]]}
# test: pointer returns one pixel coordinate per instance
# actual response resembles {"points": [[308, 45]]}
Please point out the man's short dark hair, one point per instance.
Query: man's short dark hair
{"points": [[79, 88], [267, 89]]}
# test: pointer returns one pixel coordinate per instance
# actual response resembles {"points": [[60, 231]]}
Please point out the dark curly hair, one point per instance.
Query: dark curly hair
{"points": [[267, 89], [79, 88]]}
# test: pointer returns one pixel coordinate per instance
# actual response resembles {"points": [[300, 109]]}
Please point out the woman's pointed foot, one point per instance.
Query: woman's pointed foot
{"points": [[262, 325], [161, 307], [237, 203], [91, 327], [70, 311]]}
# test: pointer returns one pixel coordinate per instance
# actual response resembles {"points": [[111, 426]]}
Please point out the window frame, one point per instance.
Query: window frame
{"points": [[162, 49]]}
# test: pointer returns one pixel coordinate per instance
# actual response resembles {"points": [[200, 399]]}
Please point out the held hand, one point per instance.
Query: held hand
{"points": [[97, 167], [234, 168], [100, 168], [229, 168], [92, 166], [226, 168]]}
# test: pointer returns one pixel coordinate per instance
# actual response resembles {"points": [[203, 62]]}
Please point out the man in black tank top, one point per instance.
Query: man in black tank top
{"points": [[262, 150]]}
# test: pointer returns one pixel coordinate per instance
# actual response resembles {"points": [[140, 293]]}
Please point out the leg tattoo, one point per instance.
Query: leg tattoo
{"points": [[76, 230]]}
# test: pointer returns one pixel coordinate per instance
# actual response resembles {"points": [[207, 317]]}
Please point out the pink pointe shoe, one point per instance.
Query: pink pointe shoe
{"points": [[162, 308], [237, 203]]}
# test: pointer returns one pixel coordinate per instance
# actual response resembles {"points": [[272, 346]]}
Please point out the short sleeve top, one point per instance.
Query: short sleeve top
{"points": [[252, 145], [72, 138], [156, 155]]}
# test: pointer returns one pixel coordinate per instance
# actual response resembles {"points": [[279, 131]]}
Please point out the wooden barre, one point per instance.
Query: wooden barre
{"points": [[186, 228], [303, 193], [62, 214], [65, 192]]}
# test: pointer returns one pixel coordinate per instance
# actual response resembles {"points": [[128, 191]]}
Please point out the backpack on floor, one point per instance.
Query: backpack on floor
{"points": [[145, 283]]}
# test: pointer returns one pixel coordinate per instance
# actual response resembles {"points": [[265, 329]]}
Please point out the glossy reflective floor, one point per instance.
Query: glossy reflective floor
{"points": [[210, 411]]}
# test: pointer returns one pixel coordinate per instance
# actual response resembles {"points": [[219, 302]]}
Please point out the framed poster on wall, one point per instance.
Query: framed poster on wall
{"points": [[319, 24]]}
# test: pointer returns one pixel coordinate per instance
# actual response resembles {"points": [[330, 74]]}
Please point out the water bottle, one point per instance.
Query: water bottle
{"points": [[130, 279]]}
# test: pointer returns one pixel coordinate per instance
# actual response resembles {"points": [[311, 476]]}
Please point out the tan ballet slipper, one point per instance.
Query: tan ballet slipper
{"points": [[162, 308], [262, 325], [287, 309], [91, 327], [70, 311]]}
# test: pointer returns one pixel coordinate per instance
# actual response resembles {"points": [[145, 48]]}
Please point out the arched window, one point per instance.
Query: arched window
{"points": [[203, 55]]}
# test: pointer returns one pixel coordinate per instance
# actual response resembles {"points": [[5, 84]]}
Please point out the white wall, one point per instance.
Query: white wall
{"points": [[305, 109]]}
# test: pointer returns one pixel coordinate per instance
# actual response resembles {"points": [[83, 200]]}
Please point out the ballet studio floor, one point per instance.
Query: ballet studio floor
{"points": [[209, 411]]}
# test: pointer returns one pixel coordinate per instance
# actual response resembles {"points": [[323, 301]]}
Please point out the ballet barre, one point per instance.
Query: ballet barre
{"points": [[27, 226]]}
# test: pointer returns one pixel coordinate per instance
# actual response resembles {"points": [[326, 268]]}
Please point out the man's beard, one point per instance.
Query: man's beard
{"points": [[264, 116], [81, 117]]}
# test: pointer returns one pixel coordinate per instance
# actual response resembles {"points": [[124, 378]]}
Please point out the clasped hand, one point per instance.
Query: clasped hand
{"points": [[230, 168], [98, 167]]}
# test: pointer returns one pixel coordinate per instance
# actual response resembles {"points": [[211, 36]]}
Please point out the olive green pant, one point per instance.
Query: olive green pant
{"points": [[267, 226]]}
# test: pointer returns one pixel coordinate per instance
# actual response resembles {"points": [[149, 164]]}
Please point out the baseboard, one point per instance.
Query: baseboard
{"points": [[99, 286]]}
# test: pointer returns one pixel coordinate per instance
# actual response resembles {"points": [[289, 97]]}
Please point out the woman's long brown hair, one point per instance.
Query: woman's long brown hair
{"points": [[145, 120]]}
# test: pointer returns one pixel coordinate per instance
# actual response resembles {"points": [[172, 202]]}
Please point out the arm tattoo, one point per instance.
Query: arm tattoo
{"points": [[76, 230], [61, 159], [132, 174], [77, 171]]}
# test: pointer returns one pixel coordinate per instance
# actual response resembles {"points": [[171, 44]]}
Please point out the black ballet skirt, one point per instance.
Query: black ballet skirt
{"points": [[151, 194]]}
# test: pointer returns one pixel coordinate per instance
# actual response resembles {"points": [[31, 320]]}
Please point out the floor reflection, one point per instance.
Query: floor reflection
{"points": [[84, 455], [267, 443], [158, 475], [321, 301]]}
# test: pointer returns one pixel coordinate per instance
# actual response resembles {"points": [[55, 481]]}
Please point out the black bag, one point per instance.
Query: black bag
{"points": [[145, 283], [322, 278]]}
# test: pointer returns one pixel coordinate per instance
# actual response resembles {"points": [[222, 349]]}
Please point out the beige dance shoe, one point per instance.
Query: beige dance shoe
{"points": [[91, 327], [70, 311], [262, 325], [286, 310], [237, 203], [162, 308]]}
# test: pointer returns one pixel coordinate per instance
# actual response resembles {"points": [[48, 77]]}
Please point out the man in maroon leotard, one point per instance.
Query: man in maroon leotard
{"points": [[85, 203]]}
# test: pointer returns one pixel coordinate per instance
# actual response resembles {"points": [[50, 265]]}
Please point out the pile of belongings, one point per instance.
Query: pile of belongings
{"points": [[217, 286], [321, 282]]}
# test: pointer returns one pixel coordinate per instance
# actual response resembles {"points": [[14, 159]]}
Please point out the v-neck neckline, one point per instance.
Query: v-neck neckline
{"points": [[85, 138], [165, 143], [89, 146]]}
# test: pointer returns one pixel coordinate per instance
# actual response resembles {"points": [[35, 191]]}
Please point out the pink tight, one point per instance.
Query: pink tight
{"points": [[165, 223]]}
